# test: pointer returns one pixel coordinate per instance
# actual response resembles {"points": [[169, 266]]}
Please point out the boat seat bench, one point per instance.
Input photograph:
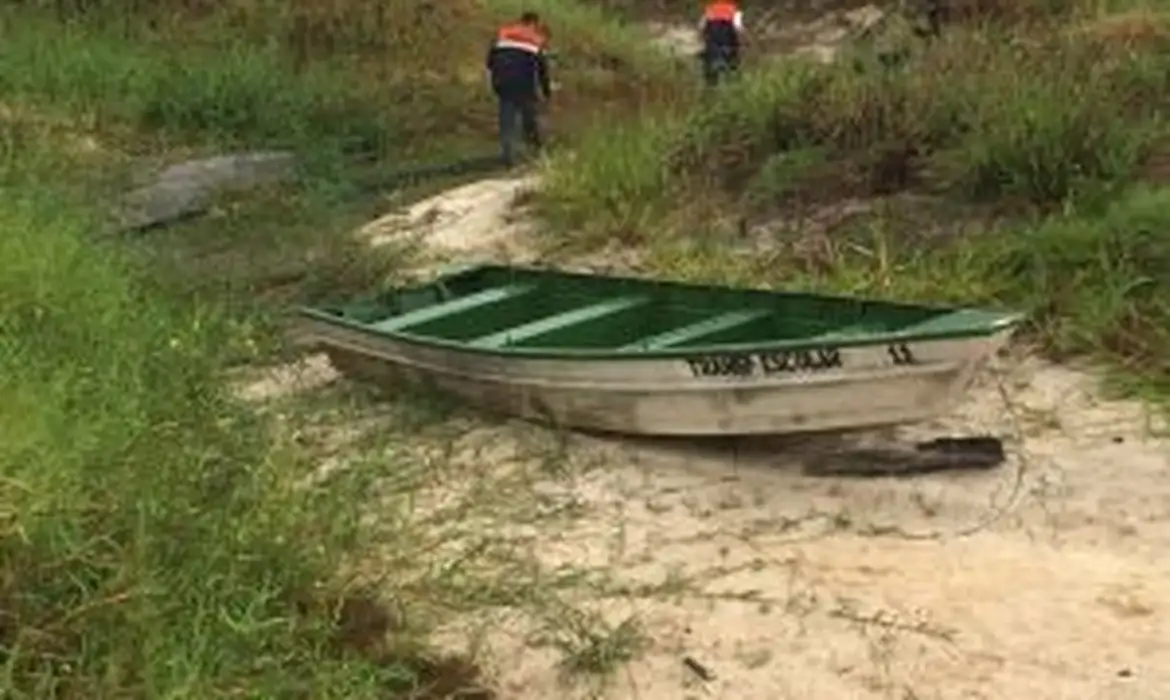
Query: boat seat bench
{"points": [[449, 308], [846, 333], [699, 329], [947, 322], [556, 322]]}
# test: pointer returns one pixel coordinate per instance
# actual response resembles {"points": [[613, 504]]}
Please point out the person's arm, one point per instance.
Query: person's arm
{"points": [[490, 58], [489, 64], [542, 74], [737, 21]]}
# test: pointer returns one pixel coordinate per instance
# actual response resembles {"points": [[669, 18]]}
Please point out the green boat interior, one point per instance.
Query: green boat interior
{"points": [[498, 307]]}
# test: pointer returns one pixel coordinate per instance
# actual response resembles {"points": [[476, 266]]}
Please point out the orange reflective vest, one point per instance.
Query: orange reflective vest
{"points": [[520, 36], [721, 11]]}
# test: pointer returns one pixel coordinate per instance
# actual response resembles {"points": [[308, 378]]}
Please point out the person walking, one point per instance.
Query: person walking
{"points": [[721, 30], [517, 67], [937, 14]]}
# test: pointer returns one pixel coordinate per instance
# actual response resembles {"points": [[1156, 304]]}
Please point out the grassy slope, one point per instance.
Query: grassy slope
{"points": [[156, 540], [1048, 125]]}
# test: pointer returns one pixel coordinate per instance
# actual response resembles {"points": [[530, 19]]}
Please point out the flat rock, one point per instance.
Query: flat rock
{"points": [[187, 189]]}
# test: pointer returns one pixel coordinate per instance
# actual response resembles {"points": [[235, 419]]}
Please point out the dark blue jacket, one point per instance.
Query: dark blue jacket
{"points": [[720, 35], [518, 64]]}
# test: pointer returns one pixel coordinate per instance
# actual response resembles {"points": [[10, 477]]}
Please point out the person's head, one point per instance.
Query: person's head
{"points": [[530, 19]]}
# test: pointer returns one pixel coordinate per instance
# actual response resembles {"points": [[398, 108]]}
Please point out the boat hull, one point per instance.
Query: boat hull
{"points": [[856, 388]]}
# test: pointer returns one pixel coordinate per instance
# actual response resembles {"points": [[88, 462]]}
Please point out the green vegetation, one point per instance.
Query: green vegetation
{"points": [[1014, 161], [153, 540], [157, 538]]}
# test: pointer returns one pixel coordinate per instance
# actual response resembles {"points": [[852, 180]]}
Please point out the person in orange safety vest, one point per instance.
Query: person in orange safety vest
{"points": [[518, 67], [721, 29]]}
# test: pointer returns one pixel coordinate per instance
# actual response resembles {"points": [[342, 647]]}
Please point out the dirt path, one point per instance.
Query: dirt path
{"points": [[819, 36], [594, 559]]}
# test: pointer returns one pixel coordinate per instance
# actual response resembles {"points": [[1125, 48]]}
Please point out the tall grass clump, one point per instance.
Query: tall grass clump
{"points": [[233, 95], [1096, 283], [154, 541], [612, 186], [623, 181], [1037, 116], [1080, 118]]}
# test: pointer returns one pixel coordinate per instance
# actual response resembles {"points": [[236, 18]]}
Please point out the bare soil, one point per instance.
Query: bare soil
{"points": [[480, 221], [1045, 579], [605, 567]]}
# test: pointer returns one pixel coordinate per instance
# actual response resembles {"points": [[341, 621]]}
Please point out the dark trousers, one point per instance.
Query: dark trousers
{"points": [[719, 62], [515, 108]]}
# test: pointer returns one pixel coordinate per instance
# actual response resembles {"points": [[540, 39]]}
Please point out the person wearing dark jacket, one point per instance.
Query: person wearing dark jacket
{"points": [[720, 29], [518, 67]]}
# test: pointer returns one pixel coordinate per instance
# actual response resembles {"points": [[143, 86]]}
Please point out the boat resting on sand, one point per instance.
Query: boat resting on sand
{"points": [[646, 357]]}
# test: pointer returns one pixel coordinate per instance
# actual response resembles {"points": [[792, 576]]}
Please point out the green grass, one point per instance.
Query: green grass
{"points": [[1097, 283], [157, 538], [383, 77], [1045, 130], [152, 86], [228, 95], [590, 646], [986, 131], [154, 543]]}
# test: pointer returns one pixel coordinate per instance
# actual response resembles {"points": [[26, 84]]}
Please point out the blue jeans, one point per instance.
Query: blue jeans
{"points": [[513, 108], [719, 63]]}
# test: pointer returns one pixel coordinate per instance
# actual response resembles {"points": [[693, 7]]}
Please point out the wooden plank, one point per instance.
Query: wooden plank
{"points": [[528, 331], [450, 308], [699, 329]]}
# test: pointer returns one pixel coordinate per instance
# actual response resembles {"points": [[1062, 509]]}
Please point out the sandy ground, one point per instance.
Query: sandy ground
{"points": [[478, 222], [819, 39], [1045, 579], [1048, 578]]}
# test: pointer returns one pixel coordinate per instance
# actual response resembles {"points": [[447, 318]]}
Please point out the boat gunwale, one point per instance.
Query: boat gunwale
{"points": [[664, 385], [997, 322]]}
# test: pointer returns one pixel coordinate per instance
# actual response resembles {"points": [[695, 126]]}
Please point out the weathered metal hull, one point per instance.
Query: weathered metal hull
{"points": [[862, 387]]}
